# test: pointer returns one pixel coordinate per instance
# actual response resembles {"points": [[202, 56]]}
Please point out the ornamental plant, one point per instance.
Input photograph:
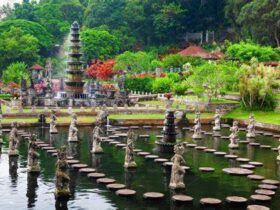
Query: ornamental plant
{"points": [[101, 70]]}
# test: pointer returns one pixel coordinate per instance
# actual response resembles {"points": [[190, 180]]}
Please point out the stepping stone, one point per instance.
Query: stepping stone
{"points": [[137, 150], [79, 166], [210, 201], [147, 126], [244, 142], [185, 128], [151, 156], [220, 153], [200, 148], [191, 145], [236, 200], [206, 169], [153, 195], [265, 192], [69, 157], [244, 160], [274, 149], [54, 154], [143, 153], [225, 126], [160, 126], [6, 130], [122, 134], [276, 136], [242, 129], [107, 140], [224, 137], [72, 161], [255, 177], [87, 170], [48, 148], [52, 151], [270, 181], [159, 136], [96, 175], [260, 198], [114, 142], [115, 186], [268, 187], [168, 164], [238, 171], [248, 166], [256, 163], [257, 207], [160, 160], [210, 150], [125, 192], [254, 144], [144, 136], [268, 134], [265, 146], [105, 181], [231, 156], [182, 198], [134, 127], [44, 145], [186, 168], [120, 145]]}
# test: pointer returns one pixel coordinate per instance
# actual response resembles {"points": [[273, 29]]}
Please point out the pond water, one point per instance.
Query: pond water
{"points": [[22, 191]]}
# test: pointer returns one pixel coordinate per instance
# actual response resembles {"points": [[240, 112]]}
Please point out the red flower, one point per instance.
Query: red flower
{"points": [[101, 70]]}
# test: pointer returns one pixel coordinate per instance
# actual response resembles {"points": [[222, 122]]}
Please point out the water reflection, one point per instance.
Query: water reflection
{"points": [[13, 166], [73, 149], [32, 186], [128, 177], [96, 161], [61, 204]]}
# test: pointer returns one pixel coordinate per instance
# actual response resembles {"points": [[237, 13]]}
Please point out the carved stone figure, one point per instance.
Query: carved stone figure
{"points": [[101, 118], [53, 129], [251, 127], [234, 136], [13, 140], [197, 127], [177, 171], [278, 157], [1, 134], [96, 140], [62, 177], [129, 153], [33, 156], [73, 130], [217, 119]]}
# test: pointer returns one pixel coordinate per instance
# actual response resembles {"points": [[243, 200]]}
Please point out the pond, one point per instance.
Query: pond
{"points": [[22, 191]]}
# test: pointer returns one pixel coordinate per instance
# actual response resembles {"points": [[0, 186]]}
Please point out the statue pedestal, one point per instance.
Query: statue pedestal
{"points": [[233, 146], [250, 135], [165, 147], [197, 136], [216, 128], [216, 133], [130, 164], [53, 131], [62, 194], [33, 169], [73, 139], [174, 186], [97, 150], [13, 152]]}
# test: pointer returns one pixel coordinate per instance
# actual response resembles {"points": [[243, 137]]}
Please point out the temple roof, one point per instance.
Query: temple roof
{"points": [[36, 67], [196, 51]]}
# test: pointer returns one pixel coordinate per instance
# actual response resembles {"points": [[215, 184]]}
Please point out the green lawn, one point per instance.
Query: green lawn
{"points": [[260, 116]]}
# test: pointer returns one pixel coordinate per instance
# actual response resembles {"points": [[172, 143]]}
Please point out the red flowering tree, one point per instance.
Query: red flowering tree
{"points": [[101, 70]]}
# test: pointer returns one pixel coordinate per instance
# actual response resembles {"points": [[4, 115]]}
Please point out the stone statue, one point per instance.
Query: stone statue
{"points": [[62, 178], [251, 127], [101, 118], [217, 120], [234, 136], [13, 140], [197, 127], [278, 157], [177, 171], [53, 129], [129, 153], [1, 134], [33, 156], [73, 130], [96, 140]]}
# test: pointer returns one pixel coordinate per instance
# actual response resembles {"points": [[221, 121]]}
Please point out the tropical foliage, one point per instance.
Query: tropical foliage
{"points": [[15, 73]]}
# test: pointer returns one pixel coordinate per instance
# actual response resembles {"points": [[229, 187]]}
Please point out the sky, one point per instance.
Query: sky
{"points": [[8, 1]]}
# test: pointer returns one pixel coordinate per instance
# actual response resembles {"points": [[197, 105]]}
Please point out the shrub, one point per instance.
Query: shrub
{"points": [[245, 51], [15, 73], [162, 85], [139, 84], [178, 61], [181, 88]]}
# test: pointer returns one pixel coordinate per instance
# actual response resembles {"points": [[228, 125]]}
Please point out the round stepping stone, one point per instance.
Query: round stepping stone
{"points": [[134, 127], [48, 148], [87, 170], [265, 146], [238, 171], [147, 126], [220, 153], [160, 160], [210, 201], [236, 200], [168, 163], [115, 186], [206, 169], [114, 142], [182, 198], [274, 149], [107, 140], [54, 154], [255, 177], [153, 195], [268, 134], [69, 158], [268, 187], [159, 136], [265, 192], [144, 136], [79, 165], [208, 133], [186, 168], [210, 150], [247, 166], [224, 137], [96, 175], [244, 160], [257, 207], [260, 198], [191, 145], [44, 145], [231, 156], [137, 150], [270, 181], [276, 136], [200, 148], [120, 145], [105, 181], [125, 192], [256, 163], [143, 153], [72, 161], [52, 151], [254, 144], [244, 142], [242, 129], [151, 156]]}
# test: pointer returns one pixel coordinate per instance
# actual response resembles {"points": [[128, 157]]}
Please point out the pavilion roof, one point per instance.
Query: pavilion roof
{"points": [[37, 67], [196, 51]]}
